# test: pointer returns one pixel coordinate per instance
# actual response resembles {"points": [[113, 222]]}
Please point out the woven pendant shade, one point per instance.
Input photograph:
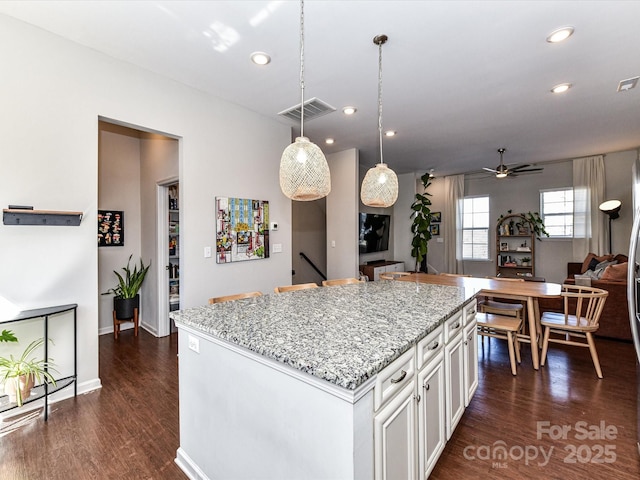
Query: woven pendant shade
{"points": [[304, 172], [379, 187]]}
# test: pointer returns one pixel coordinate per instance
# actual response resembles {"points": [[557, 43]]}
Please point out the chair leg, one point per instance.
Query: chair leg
{"points": [[135, 322], [517, 347], [116, 326], [594, 354], [545, 345], [511, 353]]}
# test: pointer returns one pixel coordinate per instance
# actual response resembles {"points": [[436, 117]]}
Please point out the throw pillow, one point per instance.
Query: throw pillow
{"points": [[600, 268], [616, 272], [587, 261], [621, 258]]}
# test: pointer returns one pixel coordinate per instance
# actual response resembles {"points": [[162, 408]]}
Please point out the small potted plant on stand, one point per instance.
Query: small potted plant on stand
{"points": [[126, 292], [19, 375]]}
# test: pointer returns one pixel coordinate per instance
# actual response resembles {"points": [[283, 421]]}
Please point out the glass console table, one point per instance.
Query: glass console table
{"points": [[45, 389]]}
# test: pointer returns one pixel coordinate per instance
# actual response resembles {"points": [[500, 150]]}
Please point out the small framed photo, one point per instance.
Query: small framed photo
{"points": [[436, 217], [504, 247], [435, 229]]}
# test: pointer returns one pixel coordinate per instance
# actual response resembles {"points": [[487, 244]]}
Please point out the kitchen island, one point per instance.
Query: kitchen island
{"points": [[324, 383]]}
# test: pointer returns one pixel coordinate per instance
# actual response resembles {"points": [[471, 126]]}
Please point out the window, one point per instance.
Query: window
{"points": [[475, 228], [557, 212]]}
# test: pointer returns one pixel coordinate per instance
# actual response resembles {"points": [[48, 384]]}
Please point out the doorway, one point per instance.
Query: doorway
{"points": [[132, 161]]}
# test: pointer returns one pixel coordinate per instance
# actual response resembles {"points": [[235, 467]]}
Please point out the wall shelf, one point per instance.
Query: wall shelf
{"points": [[40, 217]]}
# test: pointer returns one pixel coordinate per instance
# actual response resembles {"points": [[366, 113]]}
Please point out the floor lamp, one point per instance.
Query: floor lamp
{"points": [[611, 208]]}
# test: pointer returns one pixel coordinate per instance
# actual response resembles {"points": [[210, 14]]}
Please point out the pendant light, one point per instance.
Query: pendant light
{"points": [[380, 184], [304, 172]]}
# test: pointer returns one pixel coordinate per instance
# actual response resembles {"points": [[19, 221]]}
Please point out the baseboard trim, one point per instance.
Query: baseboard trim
{"points": [[187, 465]]}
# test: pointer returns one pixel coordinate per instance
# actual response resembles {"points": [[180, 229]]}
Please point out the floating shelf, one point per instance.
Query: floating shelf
{"points": [[40, 217]]}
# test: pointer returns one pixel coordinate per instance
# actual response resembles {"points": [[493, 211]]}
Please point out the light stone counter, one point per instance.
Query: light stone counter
{"points": [[343, 334]]}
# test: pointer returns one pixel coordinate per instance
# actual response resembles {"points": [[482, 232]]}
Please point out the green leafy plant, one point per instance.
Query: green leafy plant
{"points": [[20, 370], [129, 284], [7, 336], [526, 259], [421, 226], [533, 218]]}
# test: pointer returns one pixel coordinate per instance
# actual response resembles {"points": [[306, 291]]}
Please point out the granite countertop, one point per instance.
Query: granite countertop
{"points": [[342, 334]]}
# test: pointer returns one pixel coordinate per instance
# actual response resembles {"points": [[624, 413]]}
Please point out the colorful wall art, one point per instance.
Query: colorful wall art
{"points": [[242, 229], [110, 228]]}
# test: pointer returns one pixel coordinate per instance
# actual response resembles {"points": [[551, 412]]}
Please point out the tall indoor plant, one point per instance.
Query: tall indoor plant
{"points": [[19, 375], [126, 292], [421, 226]]}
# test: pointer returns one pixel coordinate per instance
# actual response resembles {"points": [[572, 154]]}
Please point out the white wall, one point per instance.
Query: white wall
{"points": [[401, 221], [53, 93], [342, 215], [159, 160]]}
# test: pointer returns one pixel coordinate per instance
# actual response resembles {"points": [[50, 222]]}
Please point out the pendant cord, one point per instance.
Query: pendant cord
{"points": [[380, 98], [302, 68]]}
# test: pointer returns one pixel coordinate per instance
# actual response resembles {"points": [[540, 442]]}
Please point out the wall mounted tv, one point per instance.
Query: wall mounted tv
{"points": [[374, 232]]}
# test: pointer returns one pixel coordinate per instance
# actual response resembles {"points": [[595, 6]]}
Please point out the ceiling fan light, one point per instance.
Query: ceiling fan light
{"points": [[379, 187], [560, 34], [501, 174], [304, 172]]}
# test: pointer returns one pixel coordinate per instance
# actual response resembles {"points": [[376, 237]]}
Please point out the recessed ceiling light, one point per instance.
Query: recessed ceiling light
{"points": [[260, 58], [560, 34], [329, 141], [563, 87], [389, 133], [349, 110]]}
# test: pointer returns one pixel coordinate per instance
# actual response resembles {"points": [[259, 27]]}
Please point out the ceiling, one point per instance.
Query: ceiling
{"points": [[460, 79]]}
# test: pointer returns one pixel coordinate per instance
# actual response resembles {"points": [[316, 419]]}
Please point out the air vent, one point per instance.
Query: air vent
{"points": [[313, 108], [627, 84]]}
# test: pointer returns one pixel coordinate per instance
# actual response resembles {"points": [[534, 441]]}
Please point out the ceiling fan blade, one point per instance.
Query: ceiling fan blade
{"points": [[529, 170], [519, 167], [490, 170]]}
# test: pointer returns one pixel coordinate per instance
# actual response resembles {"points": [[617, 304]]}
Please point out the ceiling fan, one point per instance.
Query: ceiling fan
{"points": [[503, 170]]}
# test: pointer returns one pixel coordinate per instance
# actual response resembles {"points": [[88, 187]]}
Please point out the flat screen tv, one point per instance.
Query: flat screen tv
{"points": [[374, 232]]}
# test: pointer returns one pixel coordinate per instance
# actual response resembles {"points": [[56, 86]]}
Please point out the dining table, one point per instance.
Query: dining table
{"points": [[528, 292]]}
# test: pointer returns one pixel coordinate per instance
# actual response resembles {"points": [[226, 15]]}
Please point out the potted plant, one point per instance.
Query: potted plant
{"points": [[526, 261], [21, 374], [126, 292], [421, 226]]}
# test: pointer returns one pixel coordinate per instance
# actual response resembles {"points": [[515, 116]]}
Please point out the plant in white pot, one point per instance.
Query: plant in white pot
{"points": [[19, 375], [126, 292]]}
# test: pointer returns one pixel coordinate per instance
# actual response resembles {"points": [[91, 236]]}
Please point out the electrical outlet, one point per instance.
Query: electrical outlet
{"points": [[194, 344]]}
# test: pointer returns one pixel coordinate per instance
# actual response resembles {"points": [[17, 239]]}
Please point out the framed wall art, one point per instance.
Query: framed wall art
{"points": [[435, 229], [436, 217], [110, 228], [242, 229]]}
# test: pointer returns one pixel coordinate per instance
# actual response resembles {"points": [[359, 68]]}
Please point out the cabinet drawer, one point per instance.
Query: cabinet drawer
{"points": [[395, 376], [452, 327], [429, 346], [469, 311]]}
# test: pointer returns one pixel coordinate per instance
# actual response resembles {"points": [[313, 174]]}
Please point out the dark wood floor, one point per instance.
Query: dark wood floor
{"points": [[129, 428]]}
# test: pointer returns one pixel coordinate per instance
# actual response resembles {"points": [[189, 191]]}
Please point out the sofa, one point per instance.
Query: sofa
{"points": [[614, 321]]}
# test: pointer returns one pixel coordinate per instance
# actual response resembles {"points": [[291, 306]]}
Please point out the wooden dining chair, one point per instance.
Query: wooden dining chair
{"points": [[489, 304], [582, 310], [290, 288], [392, 275], [340, 281], [501, 326], [237, 296]]}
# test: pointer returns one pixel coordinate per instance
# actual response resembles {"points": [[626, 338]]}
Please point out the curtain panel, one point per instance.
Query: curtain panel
{"points": [[589, 232]]}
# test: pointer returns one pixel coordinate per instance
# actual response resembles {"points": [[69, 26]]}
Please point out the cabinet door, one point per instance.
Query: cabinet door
{"points": [[470, 361], [431, 414], [454, 380], [395, 437], [396, 267]]}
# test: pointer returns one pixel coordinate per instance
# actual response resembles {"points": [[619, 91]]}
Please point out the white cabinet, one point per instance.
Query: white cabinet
{"points": [[395, 437], [454, 380], [431, 414], [470, 361]]}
